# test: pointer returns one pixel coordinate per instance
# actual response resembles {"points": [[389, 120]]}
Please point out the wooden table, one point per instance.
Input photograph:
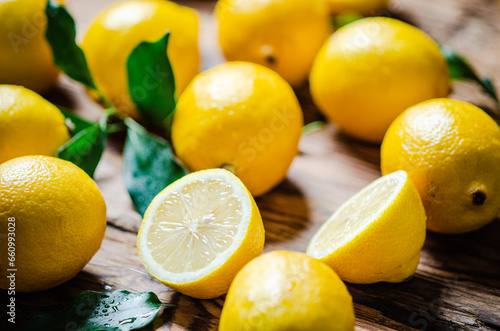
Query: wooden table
{"points": [[457, 284]]}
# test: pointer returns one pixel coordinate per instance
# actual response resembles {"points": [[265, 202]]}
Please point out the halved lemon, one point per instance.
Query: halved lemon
{"points": [[376, 235], [199, 232]]}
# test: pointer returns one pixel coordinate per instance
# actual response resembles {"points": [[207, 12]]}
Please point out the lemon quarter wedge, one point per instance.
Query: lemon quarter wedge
{"points": [[199, 232], [376, 235]]}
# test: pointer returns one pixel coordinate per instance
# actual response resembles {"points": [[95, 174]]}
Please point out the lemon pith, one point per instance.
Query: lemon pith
{"points": [[376, 235], [199, 231]]}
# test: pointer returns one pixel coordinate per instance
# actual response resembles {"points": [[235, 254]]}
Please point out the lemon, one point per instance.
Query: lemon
{"points": [[29, 124], [283, 35], [239, 116], [199, 232], [451, 151], [365, 7], [287, 291], [121, 27], [371, 70], [376, 235], [57, 215], [25, 54]]}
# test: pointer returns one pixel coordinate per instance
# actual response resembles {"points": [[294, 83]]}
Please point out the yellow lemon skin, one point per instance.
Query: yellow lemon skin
{"points": [[121, 27], [59, 219], [451, 150], [25, 55], [282, 35], [216, 282], [240, 116], [365, 7], [287, 291], [371, 70], [29, 124], [388, 249]]}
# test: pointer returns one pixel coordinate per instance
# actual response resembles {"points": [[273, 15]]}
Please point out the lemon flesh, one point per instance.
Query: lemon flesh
{"points": [[199, 232], [376, 235]]}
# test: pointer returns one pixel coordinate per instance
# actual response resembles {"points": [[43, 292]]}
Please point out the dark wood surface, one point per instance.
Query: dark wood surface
{"points": [[457, 284]]}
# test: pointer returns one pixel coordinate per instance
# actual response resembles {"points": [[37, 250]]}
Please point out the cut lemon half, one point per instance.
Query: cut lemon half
{"points": [[199, 232], [376, 235]]}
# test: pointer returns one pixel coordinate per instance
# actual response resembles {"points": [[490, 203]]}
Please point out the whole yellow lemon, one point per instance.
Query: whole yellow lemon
{"points": [[25, 55], [283, 35], [242, 117], [52, 221], [199, 232], [287, 291], [29, 124], [121, 27], [451, 151], [371, 70]]}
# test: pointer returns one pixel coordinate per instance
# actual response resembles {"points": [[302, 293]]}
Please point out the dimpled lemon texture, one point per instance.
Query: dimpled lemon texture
{"points": [[451, 151], [371, 70], [376, 235], [60, 219], [121, 27], [25, 54], [29, 124], [242, 117], [284, 35], [199, 232], [287, 291]]}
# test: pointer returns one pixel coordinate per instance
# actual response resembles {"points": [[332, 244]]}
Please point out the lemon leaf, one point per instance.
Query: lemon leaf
{"points": [[116, 310], [85, 148], [61, 34], [149, 165], [151, 80], [346, 17], [460, 68]]}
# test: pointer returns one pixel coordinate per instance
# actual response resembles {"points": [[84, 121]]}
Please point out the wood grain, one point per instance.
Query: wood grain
{"points": [[457, 284]]}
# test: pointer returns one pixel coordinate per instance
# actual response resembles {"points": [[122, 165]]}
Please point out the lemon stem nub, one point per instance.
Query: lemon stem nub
{"points": [[478, 197]]}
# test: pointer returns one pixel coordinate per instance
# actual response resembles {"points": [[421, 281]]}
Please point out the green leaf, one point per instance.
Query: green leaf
{"points": [[312, 127], [116, 310], [149, 165], [77, 123], [461, 69], [61, 35], [86, 147], [151, 80]]}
